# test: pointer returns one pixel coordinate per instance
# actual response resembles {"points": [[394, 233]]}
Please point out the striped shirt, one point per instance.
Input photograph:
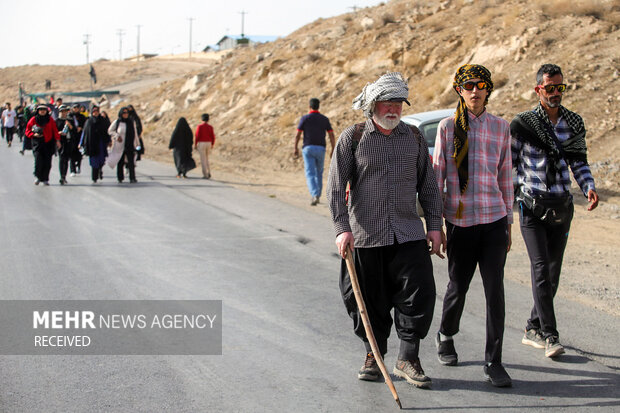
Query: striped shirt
{"points": [[531, 165], [386, 173], [489, 195]]}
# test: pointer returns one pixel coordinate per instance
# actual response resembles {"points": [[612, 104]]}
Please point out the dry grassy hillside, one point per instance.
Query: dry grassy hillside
{"points": [[256, 95]]}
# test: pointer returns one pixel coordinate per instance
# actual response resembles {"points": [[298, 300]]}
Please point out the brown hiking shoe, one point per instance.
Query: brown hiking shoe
{"points": [[411, 370], [370, 370]]}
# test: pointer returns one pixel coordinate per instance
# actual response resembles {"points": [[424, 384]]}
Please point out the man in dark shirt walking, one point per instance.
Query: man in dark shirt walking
{"points": [[387, 164], [546, 142], [314, 125]]}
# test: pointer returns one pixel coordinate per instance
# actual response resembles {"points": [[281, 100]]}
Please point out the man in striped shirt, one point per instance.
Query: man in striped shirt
{"points": [[387, 163], [472, 161], [545, 143]]}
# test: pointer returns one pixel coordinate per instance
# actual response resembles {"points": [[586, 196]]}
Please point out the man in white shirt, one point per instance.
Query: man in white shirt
{"points": [[8, 120]]}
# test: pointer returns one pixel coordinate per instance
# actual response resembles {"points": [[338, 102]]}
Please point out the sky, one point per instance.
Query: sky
{"points": [[53, 33]]}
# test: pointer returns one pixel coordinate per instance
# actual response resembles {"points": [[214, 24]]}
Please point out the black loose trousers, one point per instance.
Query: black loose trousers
{"points": [[398, 276], [43, 152]]}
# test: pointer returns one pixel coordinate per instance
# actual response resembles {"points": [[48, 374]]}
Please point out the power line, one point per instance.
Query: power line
{"points": [[242, 13], [191, 19], [138, 43], [120, 33], [86, 42]]}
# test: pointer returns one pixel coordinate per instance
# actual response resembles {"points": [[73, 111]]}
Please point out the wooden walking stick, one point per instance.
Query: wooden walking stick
{"points": [[366, 321]]}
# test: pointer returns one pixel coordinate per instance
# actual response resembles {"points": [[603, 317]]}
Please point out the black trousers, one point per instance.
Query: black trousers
{"points": [[128, 157], [545, 246], [75, 163], [484, 245], [8, 132], [43, 152], [63, 158], [398, 276], [95, 173]]}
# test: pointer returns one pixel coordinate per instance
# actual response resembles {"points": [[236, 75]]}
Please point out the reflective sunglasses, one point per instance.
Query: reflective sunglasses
{"points": [[549, 88], [124, 113], [481, 85]]}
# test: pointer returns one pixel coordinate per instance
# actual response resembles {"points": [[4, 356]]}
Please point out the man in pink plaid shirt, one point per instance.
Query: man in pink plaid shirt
{"points": [[473, 161]]}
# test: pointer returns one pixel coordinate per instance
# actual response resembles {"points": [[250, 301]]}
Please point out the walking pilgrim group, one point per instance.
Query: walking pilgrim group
{"points": [[118, 144], [467, 193], [70, 134]]}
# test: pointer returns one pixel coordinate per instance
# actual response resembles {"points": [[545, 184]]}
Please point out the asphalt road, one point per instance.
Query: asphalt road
{"points": [[287, 341]]}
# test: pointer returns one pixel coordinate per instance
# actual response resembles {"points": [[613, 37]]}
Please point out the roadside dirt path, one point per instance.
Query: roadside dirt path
{"points": [[591, 261]]}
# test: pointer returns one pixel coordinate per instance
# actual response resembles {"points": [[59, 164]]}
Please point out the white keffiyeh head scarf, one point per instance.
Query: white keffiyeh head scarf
{"points": [[390, 86]]}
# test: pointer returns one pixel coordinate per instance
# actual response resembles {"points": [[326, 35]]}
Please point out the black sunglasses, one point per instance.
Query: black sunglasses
{"points": [[481, 85], [549, 88]]}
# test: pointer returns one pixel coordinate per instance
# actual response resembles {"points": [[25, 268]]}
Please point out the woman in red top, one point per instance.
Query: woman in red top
{"points": [[43, 132], [205, 139]]}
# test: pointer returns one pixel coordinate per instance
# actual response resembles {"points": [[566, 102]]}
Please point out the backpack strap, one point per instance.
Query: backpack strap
{"points": [[357, 135]]}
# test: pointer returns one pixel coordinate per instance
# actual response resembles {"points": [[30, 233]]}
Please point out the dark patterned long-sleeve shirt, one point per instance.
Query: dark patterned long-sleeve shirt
{"points": [[531, 165], [386, 174]]}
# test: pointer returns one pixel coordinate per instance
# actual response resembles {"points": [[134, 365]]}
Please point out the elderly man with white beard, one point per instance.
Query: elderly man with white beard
{"points": [[386, 164]]}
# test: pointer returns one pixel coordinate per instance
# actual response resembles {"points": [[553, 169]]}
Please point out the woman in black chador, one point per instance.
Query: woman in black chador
{"points": [[95, 142], [181, 142]]}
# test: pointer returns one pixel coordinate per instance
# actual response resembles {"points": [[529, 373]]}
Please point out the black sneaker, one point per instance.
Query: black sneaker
{"points": [[496, 374], [533, 338], [370, 370], [315, 200], [553, 348], [446, 353], [411, 370]]}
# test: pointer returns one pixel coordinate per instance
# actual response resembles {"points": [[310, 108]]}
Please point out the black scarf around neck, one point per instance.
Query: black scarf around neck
{"points": [[534, 127], [42, 120]]}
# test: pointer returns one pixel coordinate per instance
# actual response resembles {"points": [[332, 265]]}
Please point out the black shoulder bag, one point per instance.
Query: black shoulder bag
{"points": [[552, 209]]}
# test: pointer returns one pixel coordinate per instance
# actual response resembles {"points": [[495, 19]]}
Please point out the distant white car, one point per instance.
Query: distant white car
{"points": [[428, 122]]}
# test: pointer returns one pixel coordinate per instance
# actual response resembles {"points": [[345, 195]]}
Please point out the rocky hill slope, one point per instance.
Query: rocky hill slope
{"points": [[255, 96]]}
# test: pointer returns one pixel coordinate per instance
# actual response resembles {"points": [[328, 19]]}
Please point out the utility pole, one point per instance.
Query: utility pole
{"points": [[191, 19], [120, 33], [242, 13], [86, 42], [138, 45]]}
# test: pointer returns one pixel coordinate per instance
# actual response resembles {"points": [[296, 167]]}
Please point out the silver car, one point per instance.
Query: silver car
{"points": [[428, 122]]}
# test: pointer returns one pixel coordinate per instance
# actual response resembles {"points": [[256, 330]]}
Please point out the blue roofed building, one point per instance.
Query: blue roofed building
{"points": [[231, 41]]}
